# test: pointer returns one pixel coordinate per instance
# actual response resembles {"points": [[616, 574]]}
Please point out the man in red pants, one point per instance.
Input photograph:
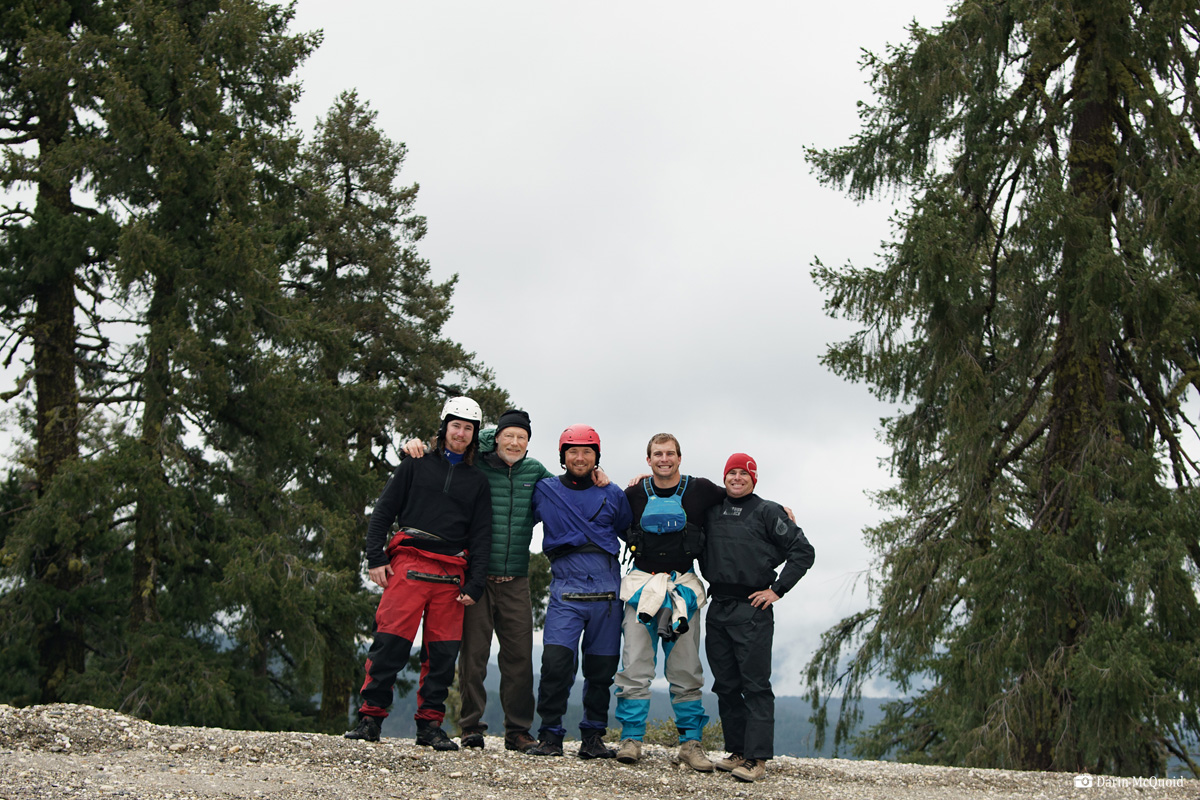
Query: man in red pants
{"points": [[431, 569]]}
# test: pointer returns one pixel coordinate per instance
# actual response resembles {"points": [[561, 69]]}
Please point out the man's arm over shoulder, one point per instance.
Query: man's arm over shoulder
{"points": [[795, 546], [710, 493], [623, 517], [543, 472]]}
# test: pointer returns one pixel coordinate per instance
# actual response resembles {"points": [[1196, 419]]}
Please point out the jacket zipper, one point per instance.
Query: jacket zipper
{"points": [[512, 502]]}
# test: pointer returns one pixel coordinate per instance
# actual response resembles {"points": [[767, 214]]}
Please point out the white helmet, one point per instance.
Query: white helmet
{"points": [[463, 408]]}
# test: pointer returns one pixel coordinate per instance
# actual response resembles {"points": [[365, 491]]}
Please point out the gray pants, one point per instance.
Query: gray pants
{"points": [[738, 646], [506, 609], [681, 666]]}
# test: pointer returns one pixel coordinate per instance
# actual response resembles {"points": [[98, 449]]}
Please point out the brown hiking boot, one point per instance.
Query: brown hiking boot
{"points": [[630, 751], [692, 753], [729, 764], [521, 742], [752, 769]]}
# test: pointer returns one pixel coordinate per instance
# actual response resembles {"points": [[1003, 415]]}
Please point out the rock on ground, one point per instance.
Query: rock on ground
{"points": [[74, 751]]}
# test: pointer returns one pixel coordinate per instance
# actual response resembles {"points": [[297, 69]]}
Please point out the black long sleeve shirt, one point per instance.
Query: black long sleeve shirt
{"points": [[451, 501]]}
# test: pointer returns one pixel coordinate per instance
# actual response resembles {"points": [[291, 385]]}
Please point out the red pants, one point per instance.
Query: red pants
{"points": [[419, 590]]}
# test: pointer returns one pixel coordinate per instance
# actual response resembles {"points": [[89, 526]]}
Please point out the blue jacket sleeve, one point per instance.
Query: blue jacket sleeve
{"points": [[624, 516], [538, 499]]}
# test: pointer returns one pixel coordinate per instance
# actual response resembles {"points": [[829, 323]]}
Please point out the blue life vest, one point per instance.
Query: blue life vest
{"points": [[663, 514], [662, 539]]}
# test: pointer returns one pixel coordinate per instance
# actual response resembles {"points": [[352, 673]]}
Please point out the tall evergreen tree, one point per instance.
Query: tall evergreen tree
{"points": [[196, 101], [198, 105], [218, 352], [371, 337], [1040, 319], [47, 128]]}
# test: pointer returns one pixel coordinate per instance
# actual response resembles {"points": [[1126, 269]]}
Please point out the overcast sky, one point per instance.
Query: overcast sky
{"points": [[621, 189]]}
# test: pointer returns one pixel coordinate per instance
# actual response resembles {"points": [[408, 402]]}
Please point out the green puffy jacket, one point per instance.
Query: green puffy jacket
{"points": [[512, 507]]}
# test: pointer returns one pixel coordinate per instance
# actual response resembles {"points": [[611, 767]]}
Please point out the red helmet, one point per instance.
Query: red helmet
{"points": [[575, 436]]}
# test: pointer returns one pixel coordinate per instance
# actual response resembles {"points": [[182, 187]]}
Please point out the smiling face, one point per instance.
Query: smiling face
{"points": [[459, 433], [664, 460], [580, 460], [738, 483], [511, 444]]}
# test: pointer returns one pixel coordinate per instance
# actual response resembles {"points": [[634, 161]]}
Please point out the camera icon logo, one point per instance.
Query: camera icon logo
{"points": [[1083, 781]]}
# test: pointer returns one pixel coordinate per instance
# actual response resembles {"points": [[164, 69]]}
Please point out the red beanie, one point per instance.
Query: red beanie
{"points": [[742, 461]]}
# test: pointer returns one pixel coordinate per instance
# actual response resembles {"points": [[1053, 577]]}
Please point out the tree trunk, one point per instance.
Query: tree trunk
{"points": [[341, 669], [59, 642], [151, 491], [1081, 417]]}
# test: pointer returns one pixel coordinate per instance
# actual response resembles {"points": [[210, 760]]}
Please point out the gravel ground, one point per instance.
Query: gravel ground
{"points": [[72, 751]]}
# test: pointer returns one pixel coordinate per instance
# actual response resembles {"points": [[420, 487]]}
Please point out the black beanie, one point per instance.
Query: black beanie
{"points": [[514, 418]]}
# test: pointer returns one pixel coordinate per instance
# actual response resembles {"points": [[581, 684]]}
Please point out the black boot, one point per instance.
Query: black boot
{"points": [[431, 735], [593, 746], [367, 729], [549, 745]]}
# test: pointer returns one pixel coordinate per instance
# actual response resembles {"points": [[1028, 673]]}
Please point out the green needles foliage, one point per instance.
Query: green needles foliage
{"points": [[1038, 318], [224, 328]]}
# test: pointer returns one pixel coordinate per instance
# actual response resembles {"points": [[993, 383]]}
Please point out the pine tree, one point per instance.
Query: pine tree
{"points": [[1039, 317], [174, 120], [218, 347], [46, 255], [196, 101], [371, 339]]}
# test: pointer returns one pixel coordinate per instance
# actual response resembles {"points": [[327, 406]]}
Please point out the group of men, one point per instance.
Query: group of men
{"points": [[459, 562]]}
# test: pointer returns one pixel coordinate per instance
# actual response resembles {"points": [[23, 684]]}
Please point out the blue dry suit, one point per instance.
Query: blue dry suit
{"points": [[580, 526]]}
